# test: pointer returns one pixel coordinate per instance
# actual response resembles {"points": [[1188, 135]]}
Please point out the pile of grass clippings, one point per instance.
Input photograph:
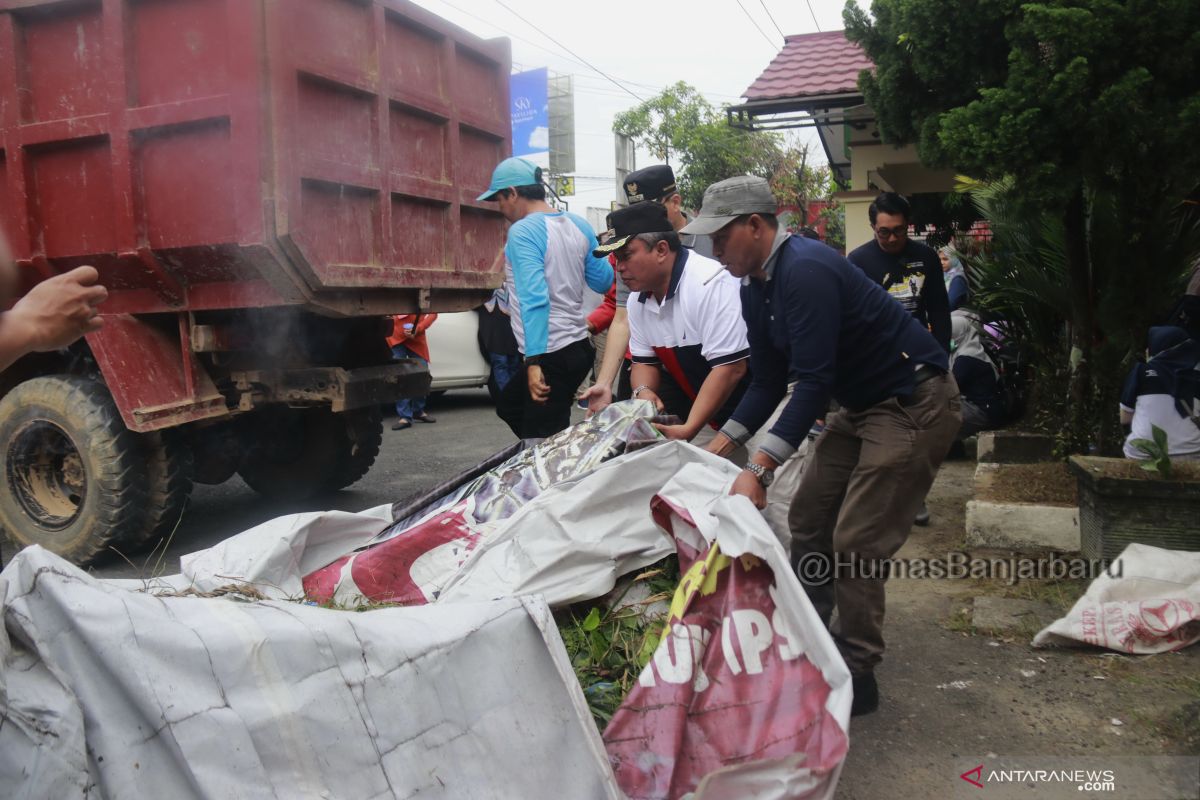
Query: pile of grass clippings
{"points": [[610, 642]]}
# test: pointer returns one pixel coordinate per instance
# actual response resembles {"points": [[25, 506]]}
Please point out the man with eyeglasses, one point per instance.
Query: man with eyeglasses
{"points": [[910, 272]]}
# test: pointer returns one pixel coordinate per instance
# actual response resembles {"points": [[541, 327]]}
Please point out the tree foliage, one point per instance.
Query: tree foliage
{"points": [[1090, 107], [1056, 92], [679, 127]]}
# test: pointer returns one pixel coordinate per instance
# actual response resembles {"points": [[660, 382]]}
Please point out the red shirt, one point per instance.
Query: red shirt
{"points": [[413, 339]]}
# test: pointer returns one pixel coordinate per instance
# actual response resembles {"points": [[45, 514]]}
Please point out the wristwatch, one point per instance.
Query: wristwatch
{"points": [[765, 476]]}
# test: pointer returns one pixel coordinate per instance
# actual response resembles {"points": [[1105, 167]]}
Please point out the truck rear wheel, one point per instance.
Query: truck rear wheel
{"points": [[300, 452], [364, 437], [169, 484], [74, 476]]}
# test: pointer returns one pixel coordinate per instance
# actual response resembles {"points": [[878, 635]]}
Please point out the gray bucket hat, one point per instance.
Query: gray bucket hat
{"points": [[729, 199]]}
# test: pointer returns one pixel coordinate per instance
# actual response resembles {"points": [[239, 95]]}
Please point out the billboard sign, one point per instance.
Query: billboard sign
{"points": [[530, 115]]}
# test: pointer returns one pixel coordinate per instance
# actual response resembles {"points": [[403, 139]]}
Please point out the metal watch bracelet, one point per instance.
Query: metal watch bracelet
{"points": [[765, 476]]}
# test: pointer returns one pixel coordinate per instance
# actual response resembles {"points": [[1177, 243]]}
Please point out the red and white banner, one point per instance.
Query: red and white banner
{"points": [[746, 695], [412, 561]]}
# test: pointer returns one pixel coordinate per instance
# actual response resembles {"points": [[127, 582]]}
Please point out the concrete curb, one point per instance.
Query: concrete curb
{"points": [[1022, 526]]}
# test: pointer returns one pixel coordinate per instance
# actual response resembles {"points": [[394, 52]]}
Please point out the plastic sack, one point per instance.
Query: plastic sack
{"points": [[1147, 601]]}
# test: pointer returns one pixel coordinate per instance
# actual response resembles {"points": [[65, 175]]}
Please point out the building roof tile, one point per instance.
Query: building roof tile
{"points": [[811, 64]]}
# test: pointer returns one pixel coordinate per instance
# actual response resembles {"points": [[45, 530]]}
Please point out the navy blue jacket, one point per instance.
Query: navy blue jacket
{"points": [[818, 320]]}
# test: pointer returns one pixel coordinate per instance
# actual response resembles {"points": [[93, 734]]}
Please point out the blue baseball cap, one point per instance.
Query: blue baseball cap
{"points": [[512, 172]]}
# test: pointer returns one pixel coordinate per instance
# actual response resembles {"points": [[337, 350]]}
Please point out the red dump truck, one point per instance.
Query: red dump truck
{"points": [[258, 183]]}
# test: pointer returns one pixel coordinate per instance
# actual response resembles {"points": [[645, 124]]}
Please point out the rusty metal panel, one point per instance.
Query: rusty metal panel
{"points": [[188, 147], [133, 140], [397, 121], [170, 387]]}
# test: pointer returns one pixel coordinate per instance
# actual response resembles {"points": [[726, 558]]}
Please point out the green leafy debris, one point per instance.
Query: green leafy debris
{"points": [[609, 644]]}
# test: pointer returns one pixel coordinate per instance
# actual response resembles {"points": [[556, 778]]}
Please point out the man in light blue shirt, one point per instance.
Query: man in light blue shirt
{"points": [[547, 262]]}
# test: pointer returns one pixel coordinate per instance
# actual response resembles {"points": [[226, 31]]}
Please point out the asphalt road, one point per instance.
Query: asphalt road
{"points": [[411, 461]]}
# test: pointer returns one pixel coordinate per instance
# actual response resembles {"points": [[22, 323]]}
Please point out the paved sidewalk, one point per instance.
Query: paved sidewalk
{"points": [[951, 698]]}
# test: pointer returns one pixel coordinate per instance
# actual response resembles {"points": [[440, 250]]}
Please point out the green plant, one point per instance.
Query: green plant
{"points": [[1022, 283], [960, 621], [1158, 459], [610, 646], [835, 225]]}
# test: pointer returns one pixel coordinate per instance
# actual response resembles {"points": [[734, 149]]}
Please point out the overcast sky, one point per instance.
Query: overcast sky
{"points": [[718, 46]]}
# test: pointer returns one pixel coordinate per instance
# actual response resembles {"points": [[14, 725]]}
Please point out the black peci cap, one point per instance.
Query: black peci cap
{"points": [[650, 183], [625, 223]]}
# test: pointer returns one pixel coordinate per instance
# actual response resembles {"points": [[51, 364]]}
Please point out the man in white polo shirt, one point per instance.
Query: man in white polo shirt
{"points": [[684, 315]]}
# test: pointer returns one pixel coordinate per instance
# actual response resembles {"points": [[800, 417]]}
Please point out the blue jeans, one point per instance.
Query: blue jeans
{"points": [[408, 407], [504, 368]]}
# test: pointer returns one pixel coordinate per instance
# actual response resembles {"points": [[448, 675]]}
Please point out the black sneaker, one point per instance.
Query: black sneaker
{"points": [[866, 694]]}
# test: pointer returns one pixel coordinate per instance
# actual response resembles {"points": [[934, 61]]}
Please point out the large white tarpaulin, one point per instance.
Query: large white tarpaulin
{"points": [[108, 690], [113, 693]]}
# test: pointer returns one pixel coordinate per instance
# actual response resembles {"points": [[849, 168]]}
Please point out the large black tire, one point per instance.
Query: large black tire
{"points": [[216, 451], [74, 476], [363, 431], [168, 486], [300, 452]]}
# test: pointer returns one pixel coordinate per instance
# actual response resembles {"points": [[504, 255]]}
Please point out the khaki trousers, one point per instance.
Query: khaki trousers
{"points": [[866, 476]]}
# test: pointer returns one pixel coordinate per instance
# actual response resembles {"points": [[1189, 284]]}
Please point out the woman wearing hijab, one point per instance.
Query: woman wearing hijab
{"points": [[977, 376], [1163, 392], [955, 276]]}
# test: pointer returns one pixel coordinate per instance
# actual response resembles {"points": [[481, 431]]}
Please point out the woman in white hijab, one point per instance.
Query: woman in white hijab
{"points": [[977, 376]]}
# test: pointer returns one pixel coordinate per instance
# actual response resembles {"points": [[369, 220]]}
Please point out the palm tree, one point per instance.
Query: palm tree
{"points": [[1138, 259]]}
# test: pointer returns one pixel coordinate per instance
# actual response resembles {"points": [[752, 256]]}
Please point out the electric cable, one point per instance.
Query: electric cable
{"points": [[814, 15], [771, 17], [752, 22], [573, 58], [568, 50]]}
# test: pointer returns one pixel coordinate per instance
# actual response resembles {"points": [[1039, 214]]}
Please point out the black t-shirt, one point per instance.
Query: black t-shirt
{"points": [[913, 277], [495, 332]]}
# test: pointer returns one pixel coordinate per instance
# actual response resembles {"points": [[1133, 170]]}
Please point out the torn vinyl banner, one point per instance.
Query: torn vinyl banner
{"points": [[412, 560], [746, 694]]}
